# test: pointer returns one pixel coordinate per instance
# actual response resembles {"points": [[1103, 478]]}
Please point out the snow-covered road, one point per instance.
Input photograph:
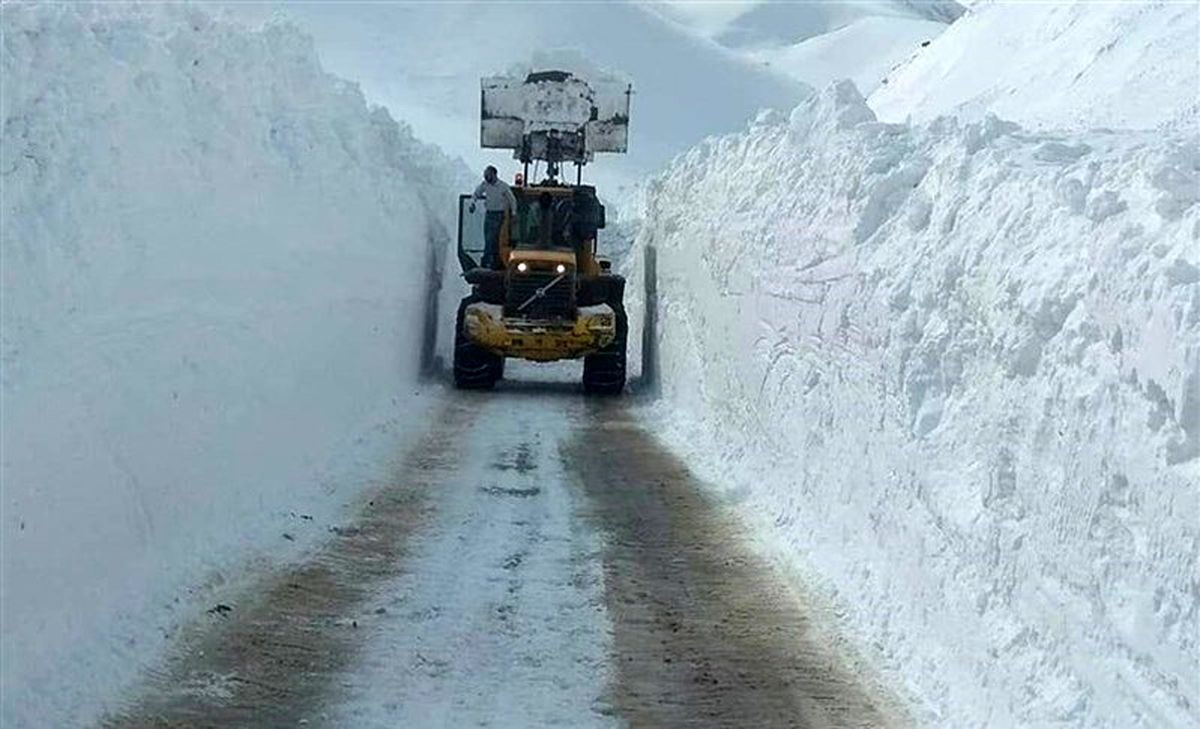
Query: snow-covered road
{"points": [[498, 618], [538, 560]]}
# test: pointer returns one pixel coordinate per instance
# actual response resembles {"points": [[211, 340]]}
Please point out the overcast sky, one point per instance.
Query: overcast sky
{"points": [[424, 61]]}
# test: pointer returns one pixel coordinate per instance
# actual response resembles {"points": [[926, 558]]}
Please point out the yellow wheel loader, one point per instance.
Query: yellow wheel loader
{"points": [[546, 295]]}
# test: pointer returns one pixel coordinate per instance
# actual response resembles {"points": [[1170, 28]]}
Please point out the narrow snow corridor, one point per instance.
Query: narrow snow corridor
{"points": [[538, 560], [914, 286]]}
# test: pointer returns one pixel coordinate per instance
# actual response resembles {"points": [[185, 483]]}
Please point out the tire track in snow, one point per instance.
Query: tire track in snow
{"points": [[706, 635], [274, 660], [499, 620]]}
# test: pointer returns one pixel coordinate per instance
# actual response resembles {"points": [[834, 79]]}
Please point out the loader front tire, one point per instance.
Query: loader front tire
{"points": [[475, 368], [604, 371]]}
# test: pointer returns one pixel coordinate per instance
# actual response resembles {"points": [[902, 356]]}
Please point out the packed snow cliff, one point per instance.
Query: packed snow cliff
{"points": [[953, 371], [214, 261]]}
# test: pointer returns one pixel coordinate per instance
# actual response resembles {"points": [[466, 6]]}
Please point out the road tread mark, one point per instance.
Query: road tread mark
{"points": [[273, 661], [705, 632]]}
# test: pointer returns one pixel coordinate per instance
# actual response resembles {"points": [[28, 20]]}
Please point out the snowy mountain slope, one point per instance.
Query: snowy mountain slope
{"points": [[864, 51], [427, 58], [776, 24], [1067, 65], [213, 288], [953, 372], [758, 24], [817, 43]]}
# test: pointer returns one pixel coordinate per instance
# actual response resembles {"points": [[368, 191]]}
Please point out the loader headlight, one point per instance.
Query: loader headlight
{"points": [[522, 266], [560, 268]]}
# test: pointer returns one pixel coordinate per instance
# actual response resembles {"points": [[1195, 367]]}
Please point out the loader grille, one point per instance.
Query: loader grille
{"points": [[558, 302]]}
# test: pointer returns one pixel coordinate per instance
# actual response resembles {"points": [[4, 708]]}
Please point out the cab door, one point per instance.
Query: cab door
{"points": [[471, 243]]}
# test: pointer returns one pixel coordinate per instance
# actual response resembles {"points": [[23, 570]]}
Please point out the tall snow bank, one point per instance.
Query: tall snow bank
{"points": [[954, 371], [1061, 65], [214, 262]]}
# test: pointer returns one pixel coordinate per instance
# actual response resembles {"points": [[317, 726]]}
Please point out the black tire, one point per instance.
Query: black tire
{"points": [[604, 371], [475, 368]]}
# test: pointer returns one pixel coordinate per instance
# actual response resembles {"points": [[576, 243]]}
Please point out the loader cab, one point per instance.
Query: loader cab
{"points": [[574, 217], [555, 217], [542, 215]]}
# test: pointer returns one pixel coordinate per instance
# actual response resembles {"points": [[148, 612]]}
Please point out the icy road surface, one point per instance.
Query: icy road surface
{"points": [[537, 561]]}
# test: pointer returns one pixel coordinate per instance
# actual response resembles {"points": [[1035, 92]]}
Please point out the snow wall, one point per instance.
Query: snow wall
{"points": [[214, 271], [952, 370]]}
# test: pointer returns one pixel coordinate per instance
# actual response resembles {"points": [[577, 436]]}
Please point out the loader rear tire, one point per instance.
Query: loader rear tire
{"points": [[475, 368], [604, 371]]}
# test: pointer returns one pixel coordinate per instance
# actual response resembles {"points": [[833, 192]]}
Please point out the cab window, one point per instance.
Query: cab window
{"points": [[471, 243]]}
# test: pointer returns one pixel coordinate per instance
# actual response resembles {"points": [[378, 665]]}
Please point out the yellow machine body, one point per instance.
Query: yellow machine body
{"points": [[541, 341], [538, 290], [592, 329]]}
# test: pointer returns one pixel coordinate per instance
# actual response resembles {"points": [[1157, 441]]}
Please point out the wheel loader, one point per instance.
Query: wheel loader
{"points": [[547, 295]]}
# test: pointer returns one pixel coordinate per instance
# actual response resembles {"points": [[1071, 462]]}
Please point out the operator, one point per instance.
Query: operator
{"points": [[499, 198], [549, 223]]}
